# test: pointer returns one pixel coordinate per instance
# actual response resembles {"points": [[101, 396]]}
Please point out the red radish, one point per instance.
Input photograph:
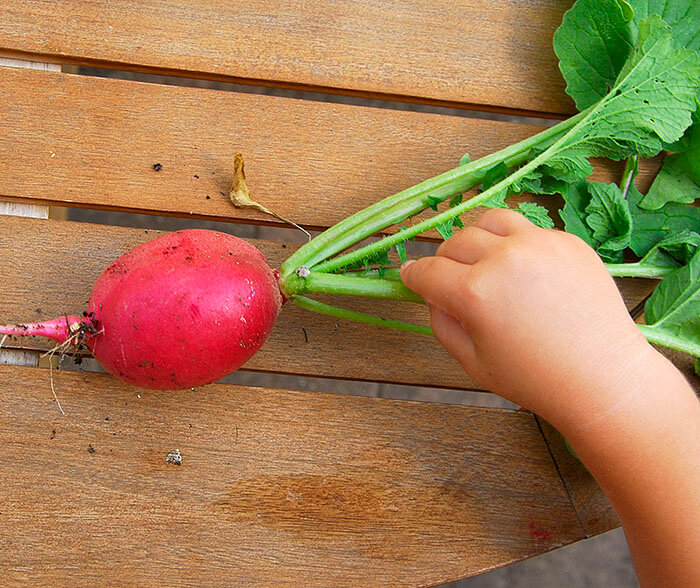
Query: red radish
{"points": [[182, 310]]}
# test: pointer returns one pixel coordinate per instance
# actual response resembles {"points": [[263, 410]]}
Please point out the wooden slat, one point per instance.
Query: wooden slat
{"points": [[10, 356], [93, 142], [593, 508], [275, 487], [487, 52], [49, 267]]}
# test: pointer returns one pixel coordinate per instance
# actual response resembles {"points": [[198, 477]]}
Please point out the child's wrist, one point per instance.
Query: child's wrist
{"points": [[631, 400], [605, 393]]}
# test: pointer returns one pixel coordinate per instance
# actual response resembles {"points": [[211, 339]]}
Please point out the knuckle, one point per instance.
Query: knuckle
{"points": [[492, 214], [515, 253], [472, 289]]}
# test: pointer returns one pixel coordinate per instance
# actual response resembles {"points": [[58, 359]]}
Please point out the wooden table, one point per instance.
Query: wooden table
{"points": [[276, 486]]}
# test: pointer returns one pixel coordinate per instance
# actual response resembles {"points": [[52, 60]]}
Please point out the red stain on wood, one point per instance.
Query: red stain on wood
{"points": [[537, 533]]}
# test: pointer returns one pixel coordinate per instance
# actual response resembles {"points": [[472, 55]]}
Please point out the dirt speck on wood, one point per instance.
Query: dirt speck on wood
{"points": [[174, 457]]}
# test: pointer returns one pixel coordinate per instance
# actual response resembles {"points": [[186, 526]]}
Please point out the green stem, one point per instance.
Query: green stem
{"points": [[628, 174], [376, 274], [637, 270], [348, 286], [389, 241], [665, 339], [359, 317], [411, 201]]}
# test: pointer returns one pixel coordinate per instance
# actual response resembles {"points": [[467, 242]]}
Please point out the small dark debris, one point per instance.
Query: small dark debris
{"points": [[196, 176], [53, 434], [284, 246], [77, 360], [306, 335], [107, 418], [174, 457], [91, 449], [157, 166], [222, 193], [39, 311], [208, 197]]}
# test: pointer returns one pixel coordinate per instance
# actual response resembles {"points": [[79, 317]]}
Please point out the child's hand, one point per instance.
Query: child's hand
{"points": [[532, 314]]}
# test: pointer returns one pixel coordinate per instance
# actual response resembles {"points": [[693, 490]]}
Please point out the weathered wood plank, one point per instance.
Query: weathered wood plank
{"points": [[494, 53], [594, 510], [93, 142], [275, 487], [49, 267], [11, 356]]}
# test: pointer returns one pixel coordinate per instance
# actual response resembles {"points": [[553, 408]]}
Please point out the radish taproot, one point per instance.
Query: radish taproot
{"points": [[181, 310]]}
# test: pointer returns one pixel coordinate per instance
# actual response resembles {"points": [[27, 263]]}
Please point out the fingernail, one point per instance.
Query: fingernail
{"points": [[407, 263]]}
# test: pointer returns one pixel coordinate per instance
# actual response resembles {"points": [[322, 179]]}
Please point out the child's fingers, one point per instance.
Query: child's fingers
{"points": [[468, 245], [439, 280], [503, 222], [453, 337]]}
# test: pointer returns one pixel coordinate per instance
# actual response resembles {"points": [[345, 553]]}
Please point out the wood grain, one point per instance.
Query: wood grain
{"points": [[49, 267], [93, 143], [275, 487], [594, 510], [496, 53]]}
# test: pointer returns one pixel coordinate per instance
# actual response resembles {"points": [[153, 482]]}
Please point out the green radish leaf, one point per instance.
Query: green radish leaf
{"points": [[446, 229], [433, 202], [609, 217], [592, 45], [494, 175], [379, 259], [682, 16], [401, 247], [678, 179], [568, 167], [531, 183], [498, 200], [401, 251], [684, 143], [673, 251], [465, 159], [674, 307], [456, 199], [536, 214], [650, 227], [576, 199], [650, 104], [596, 37]]}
